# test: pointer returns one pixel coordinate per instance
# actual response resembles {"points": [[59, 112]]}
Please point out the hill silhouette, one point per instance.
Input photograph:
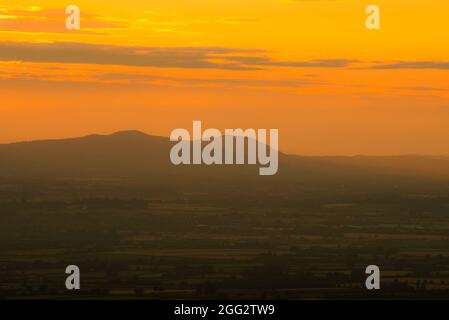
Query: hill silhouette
{"points": [[136, 154]]}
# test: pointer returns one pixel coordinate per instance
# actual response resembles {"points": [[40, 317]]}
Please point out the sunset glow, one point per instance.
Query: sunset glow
{"points": [[309, 68]]}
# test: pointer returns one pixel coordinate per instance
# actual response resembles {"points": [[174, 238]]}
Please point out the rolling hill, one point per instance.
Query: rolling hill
{"points": [[135, 154]]}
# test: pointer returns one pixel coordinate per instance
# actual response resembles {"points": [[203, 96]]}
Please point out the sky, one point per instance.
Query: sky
{"points": [[308, 68]]}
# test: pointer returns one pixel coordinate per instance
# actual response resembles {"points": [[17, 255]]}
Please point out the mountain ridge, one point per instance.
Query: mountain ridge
{"points": [[135, 153]]}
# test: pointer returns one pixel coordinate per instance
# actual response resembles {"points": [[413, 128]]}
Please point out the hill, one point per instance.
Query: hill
{"points": [[134, 154]]}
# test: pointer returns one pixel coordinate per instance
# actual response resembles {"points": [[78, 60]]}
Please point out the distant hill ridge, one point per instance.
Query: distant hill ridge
{"points": [[133, 153]]}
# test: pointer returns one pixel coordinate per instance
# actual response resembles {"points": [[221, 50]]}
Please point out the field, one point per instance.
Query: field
{"points": [[132, 240]]}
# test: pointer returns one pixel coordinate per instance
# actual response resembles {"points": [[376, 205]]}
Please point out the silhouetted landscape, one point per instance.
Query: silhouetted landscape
{"points": [[141, 227]]}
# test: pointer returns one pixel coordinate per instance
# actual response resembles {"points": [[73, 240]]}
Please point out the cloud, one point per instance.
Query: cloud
{"points": [[422, 88], [38, 20], [412, 65], [145, 78], [240, 20], [168, 57], [135, 77], [83, 53], [319, 63]]}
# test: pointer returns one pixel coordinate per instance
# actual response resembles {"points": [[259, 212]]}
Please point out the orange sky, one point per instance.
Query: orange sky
{"points": [[309, 68]]}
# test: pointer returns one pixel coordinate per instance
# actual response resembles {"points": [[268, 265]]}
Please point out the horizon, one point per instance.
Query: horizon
{"points": [[130, 131]]}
